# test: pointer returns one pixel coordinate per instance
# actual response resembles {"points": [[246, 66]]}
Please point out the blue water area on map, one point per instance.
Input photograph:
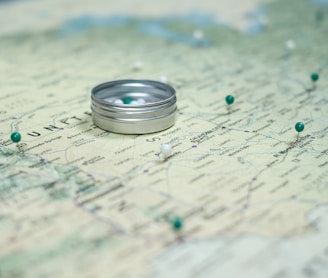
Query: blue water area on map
{"points": [[84, 23], [257, 21], [154, 27], [320, 2], [160, 27]]}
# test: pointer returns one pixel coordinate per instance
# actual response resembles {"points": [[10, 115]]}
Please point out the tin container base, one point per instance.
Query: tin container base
{"points": [[134, 127], [133, 106]]}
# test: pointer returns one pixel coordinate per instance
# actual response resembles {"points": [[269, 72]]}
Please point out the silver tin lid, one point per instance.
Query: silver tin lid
{"points": [[133, 106]]}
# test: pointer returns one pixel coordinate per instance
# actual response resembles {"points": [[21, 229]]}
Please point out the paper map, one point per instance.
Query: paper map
{"points": [[251, 191]]}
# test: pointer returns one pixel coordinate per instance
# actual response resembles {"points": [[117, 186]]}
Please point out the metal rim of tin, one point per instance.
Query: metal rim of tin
{"points": [[156, 114]]}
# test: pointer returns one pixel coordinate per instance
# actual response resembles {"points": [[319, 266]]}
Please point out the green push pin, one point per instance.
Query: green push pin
{"points": [[177, 224], [319, 16], [314, 78], [229, 99], [299, 127], [127, 100], [16, 138]]}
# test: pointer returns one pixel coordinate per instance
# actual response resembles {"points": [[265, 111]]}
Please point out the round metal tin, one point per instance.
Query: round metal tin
{"points": [[155, 112]]}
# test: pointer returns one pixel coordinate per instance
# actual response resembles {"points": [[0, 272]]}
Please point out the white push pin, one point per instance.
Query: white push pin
{"points": [[141, 101], [163, 78], [290, 44], [137, 65], [118, 101], [198, 35], [166, 151]]}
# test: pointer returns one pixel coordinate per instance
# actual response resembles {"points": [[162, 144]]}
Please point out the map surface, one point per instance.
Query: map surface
{"points": [[252, 192]]}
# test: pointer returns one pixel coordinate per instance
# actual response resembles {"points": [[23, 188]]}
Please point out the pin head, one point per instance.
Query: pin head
{"points": [[127, 100], [229, 99], [138, 65], [15, 137], [198, 34], [319, 16], [177, 223], [299, 126], [166, 150], [314, 77], [290, 44]]}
